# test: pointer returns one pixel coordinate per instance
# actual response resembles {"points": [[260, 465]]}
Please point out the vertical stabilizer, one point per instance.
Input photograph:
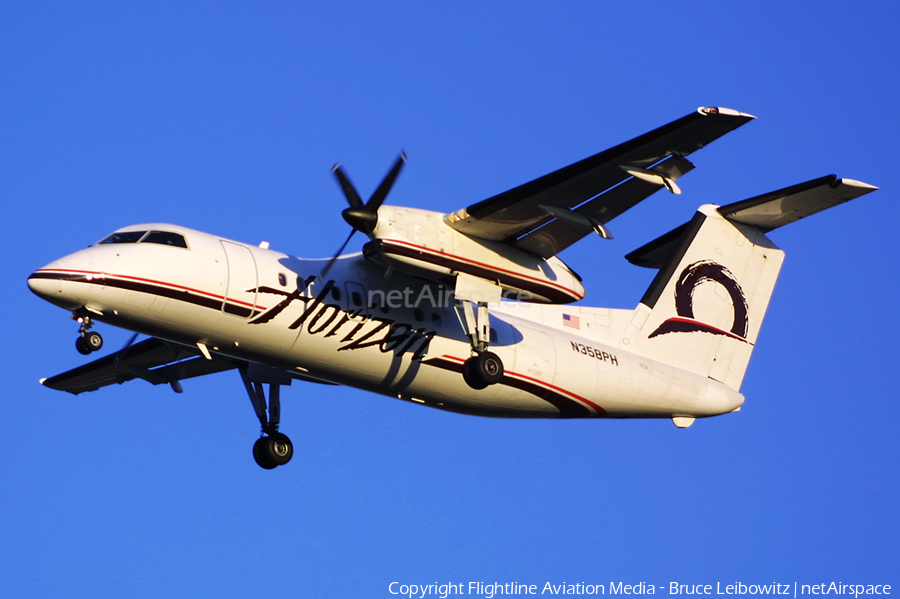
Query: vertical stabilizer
{"points": [[705, 307], [704, 310]]}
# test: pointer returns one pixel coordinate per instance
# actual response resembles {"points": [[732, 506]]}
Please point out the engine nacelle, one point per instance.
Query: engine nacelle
{"points": [[421, 242]]}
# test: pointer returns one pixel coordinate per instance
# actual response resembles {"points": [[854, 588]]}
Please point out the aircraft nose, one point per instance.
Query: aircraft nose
{"points": [[45, 283], [49, 282]]}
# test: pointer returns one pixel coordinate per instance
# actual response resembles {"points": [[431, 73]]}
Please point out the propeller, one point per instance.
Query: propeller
{"points": [[362, 216]]}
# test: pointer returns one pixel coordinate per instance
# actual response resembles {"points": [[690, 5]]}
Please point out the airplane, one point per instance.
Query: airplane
{"points": [[467, 312]]}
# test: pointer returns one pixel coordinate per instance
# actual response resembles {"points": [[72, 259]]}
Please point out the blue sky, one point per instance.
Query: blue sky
{"points": [[227, 117]]}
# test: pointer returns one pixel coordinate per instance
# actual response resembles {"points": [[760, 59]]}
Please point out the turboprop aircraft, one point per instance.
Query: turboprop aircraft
{"points": [[465, 311]]}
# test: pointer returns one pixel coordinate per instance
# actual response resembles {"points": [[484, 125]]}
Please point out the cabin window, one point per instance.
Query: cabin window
{"points": [[165, 238]]}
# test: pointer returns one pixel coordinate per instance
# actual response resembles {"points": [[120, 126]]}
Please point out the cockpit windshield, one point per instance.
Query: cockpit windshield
{"points": [[165, 238], [124, 237], [160, 237]]}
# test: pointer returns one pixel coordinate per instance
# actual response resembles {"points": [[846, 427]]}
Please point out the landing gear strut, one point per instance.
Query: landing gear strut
{"points": [[272, 448], [88, 341], [483, 368]]}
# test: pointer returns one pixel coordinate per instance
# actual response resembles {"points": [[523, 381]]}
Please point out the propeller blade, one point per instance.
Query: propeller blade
{"points": [[331, 262], [349, 191], [118, 355], [381, 193], [130, 341]]}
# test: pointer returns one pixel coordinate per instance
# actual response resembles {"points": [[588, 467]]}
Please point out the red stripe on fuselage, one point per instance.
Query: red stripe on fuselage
{"points": [[559, 392], [102, 275]]}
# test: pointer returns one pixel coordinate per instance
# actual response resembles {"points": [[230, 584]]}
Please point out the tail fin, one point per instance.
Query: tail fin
{"points": [[705, 307]]}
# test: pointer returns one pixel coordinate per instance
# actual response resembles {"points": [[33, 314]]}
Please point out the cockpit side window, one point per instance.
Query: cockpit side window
{"points": [[165, 238], [124, 237]]}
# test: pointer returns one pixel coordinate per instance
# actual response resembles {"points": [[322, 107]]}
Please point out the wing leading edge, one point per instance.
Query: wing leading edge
{"points": [[595, 190]]}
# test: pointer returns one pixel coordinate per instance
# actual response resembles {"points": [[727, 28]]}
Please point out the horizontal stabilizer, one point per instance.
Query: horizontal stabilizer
{"points": [[654, 254], [765, 212], [778, 208]]}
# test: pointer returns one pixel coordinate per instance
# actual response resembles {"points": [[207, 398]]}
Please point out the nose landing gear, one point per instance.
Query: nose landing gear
{"points": [[88, 341]]}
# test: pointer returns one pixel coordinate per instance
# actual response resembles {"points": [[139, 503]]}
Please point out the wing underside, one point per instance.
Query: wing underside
{"points": [[552, 212], [152, 360], [161, 362]]}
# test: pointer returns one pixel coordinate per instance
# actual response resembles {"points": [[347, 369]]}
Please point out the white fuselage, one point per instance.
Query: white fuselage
{"points": [[398, 337]]}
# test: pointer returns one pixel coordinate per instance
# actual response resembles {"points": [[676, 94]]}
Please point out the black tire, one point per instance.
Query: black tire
{"points": [[92, 341], [261, 455], [471, 376], [274, 450], [482, 370], [81, 347]]}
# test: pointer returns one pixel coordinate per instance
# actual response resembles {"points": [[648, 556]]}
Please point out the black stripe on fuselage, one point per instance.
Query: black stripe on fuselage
{"points": [[182, 295]]}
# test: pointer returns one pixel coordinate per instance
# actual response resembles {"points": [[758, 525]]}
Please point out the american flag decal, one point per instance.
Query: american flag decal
{"points": [[571, 321]]}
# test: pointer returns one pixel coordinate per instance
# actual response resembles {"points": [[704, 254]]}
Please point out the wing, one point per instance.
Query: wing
{"points": [[153, 360], [551, 213]]}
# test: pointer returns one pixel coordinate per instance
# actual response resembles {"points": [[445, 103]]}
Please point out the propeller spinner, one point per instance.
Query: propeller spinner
{"points": [[362, 217]]}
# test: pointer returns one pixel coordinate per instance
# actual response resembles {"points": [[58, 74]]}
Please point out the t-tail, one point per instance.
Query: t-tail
{"points": [[705, 307]]}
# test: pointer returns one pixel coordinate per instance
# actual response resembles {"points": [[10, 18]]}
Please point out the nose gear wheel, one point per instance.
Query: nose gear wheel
{"points": [[88, 341]]}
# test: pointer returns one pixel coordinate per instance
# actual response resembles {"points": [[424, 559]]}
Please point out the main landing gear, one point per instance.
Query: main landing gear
{"points": [[483, 368], [88, 341], [272, 448]]}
